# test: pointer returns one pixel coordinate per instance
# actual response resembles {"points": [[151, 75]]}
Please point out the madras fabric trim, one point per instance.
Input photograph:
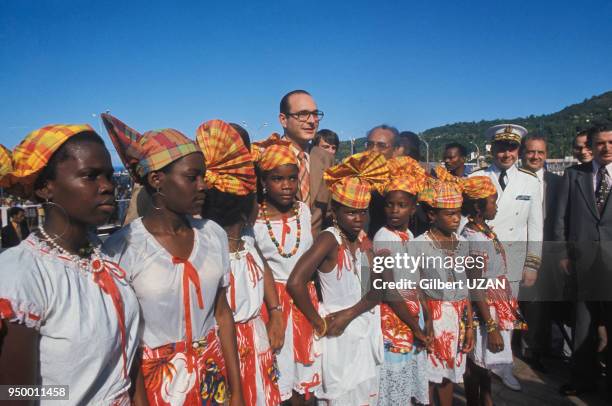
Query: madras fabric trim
{"points": [[478, 187], [150, 151], [352, 181], [406, 175], [229, 165], [273, 152], [33, 153]]}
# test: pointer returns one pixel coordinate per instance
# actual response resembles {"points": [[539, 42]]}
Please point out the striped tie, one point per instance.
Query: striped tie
{"points": [[304, 177]]}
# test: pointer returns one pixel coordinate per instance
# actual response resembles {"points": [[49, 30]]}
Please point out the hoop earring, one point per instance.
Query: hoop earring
{"points": [[264, 190], [53, 204], [157, 192]]}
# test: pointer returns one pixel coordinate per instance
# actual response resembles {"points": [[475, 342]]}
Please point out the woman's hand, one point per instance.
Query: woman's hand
{"points": [[468, 341], [424, 340], [495, 342], [276, 330], [338, 321]]}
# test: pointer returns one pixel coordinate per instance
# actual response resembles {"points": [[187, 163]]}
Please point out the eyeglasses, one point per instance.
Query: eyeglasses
{"points": [[376, 144], [305, 115]]}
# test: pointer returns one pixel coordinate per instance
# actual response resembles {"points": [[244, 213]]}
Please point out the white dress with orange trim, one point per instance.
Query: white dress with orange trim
{"points": [[299, 362], [182, 360], [447, 308], [88, 324], [403, 375], [245, 295], [351, 361], [503, 306]]}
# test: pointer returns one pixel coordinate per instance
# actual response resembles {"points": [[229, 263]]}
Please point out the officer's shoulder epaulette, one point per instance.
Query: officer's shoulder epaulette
{"points": [[528, 172]]}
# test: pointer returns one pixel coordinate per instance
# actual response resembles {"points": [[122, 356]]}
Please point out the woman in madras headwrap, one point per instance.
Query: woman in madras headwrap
{"points": [[230, 201], [283, 234], [347, 324], [497, 312], [449, 310], [403, 374], [179, 268], [73, 316]]}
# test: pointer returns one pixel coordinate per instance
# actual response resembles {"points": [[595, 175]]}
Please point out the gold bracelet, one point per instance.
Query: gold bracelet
{"points": [[319, 335]]}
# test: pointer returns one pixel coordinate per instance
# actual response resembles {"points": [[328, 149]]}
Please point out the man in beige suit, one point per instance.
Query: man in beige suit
{"points": [[300, 118]]}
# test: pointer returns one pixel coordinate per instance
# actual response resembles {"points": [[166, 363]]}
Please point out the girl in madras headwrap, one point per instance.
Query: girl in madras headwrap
{"points": [[283, 233], [497, 312], [230, 201], [403, 374], [179, 268], [449, 310], [347, 323], [79, 315]]}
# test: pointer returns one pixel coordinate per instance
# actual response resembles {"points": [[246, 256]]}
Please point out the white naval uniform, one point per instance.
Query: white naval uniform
{"points": [[519, 222]]}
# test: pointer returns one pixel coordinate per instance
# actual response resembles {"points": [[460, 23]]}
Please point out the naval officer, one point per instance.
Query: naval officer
{"points": [[519, 220]]}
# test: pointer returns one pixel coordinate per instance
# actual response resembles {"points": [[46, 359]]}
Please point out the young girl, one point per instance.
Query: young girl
{"points": [[450, 314], [73, 318], [496, 310], [179, 268], [282, 232], [348, 325], [403, 375], [230, 201]]}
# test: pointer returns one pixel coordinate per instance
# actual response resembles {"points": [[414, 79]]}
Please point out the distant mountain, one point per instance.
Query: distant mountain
{"points": [[559, 128]]}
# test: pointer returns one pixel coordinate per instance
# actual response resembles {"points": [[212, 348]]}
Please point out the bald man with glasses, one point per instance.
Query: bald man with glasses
{"points": [[300, 117]]}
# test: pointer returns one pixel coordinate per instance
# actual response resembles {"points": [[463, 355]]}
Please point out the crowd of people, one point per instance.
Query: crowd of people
{"points": [[244, 273]]}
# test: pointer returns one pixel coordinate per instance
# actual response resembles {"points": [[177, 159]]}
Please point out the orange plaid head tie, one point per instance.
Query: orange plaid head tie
{"points": [[229, 165], [352, 181], [406, 175], [33, 153], [442, 194], [478, 187], [272, 153], [148, 152]]}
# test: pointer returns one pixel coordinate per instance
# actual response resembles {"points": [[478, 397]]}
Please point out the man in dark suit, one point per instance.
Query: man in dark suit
{"points": [[584, 224], [16, 230], [538, 310]]}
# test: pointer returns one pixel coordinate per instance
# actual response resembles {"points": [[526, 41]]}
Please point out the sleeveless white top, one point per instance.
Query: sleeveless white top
{"points": [[281, 266], [245, 294]]}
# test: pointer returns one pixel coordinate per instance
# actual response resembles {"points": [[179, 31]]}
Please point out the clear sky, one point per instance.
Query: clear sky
{"points": [[415, 65]]}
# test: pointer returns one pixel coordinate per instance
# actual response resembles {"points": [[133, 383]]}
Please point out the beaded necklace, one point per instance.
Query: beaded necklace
{"points": [[90, 265], [271, 233]]}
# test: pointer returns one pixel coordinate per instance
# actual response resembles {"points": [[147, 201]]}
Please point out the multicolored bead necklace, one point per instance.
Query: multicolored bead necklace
{"points": [[271, 233]]}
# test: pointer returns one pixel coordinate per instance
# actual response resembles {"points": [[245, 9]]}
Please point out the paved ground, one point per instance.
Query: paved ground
{"points": [[539, 389]]}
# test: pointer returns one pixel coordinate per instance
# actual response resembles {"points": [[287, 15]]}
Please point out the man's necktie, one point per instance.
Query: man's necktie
{"points": [[304, 177], [603, 189], [502, 179]]}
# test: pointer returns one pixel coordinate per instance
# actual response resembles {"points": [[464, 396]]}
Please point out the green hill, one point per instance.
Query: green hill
{"points": [[559, 128]]}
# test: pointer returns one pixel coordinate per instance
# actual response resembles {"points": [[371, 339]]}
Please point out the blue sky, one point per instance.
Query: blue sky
{"points": [[414, 65]]}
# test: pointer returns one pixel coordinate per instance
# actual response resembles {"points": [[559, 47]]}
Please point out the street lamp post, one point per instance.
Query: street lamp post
{"points": [[422, 138]]}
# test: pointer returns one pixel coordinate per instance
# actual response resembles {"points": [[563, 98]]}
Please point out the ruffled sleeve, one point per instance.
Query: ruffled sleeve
{"points": [[24, 296]]}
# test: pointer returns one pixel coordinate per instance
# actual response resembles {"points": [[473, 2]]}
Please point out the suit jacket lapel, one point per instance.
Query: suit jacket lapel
{"points": [[585, 184]]}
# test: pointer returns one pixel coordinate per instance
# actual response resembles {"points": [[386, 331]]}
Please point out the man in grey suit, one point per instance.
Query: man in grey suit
{"points": [[584, 224]]}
